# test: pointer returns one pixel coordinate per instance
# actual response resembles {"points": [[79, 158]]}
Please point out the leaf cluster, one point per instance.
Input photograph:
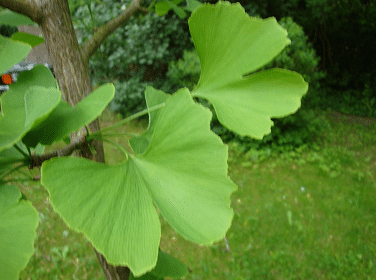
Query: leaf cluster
{"points": [[177, 168]]}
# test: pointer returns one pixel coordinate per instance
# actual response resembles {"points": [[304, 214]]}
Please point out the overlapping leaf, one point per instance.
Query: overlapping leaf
{"points": [[27, 103], [14, 19], [168, 266], [18, 222], [65, 119], [11, 52], [153, 98], [231, 45], [27, 38], [183, 172]]}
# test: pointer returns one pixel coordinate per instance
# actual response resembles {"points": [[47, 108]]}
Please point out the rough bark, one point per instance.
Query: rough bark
{"points": [[72, 73]]}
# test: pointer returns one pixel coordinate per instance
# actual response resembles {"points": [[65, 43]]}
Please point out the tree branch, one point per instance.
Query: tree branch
{"points": [[104, 31], [80, 144], [28, 8]]}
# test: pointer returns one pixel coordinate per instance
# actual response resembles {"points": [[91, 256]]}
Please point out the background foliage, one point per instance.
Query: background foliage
{"points": [[135, 54]]}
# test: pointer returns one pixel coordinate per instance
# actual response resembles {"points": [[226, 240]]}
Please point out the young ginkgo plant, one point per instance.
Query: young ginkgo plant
{"points": [[178, 165]]}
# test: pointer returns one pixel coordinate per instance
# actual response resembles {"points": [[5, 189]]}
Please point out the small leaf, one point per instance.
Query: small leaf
{"points": [[18, 223], [23, 110], [66, 119], [230, 45], [168, 266], [11, 52], [183, 172], [27, 38], [192, 5], [179, 11], [9, 17], [162, 8]]}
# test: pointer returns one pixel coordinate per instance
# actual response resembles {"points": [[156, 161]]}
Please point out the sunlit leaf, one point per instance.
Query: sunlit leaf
{"points": [[231, 45], [66, 119], [14, 19], [18, 222], [11, 52], [183, 172], [27, 38]]}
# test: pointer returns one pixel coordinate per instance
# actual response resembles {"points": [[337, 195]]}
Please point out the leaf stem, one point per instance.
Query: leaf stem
{"points": [[22, 152], [118, 146], [12, 170], [135, 116]]}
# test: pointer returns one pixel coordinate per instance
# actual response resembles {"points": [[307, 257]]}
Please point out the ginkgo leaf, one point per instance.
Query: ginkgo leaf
{"points": [[14, 19], [27, 38], [168, 266], [153, 98], [11, 52], [66, 119], [23, 110], [230, 45], [183, 172], [192, 5], [18, 223], [163, 7], [27, 103]]}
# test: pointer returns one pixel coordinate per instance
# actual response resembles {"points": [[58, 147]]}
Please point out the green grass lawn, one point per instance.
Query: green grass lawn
{"points": [[307, 214]]}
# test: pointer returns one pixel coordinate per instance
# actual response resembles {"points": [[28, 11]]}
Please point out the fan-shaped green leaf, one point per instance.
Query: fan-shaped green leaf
{"points": [[183, 171], [168, 266], [27, 38], [66, 119], [11, 52], [230, 45], [23, 110], [18, 222], [110, 205], [11, 18]]}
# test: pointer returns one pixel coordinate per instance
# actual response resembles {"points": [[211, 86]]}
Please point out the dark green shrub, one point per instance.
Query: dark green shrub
{"points": [[7, 30], [129, 96], [299, 56], [183, 73], [143, 46]]}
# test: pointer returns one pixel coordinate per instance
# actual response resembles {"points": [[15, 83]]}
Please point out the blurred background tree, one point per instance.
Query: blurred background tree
{"points": [[332, 47]]}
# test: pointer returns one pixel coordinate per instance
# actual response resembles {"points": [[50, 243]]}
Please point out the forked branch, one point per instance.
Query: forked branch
{"points": [[104, 31]]}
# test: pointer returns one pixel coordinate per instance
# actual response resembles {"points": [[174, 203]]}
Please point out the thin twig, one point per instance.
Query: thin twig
{"points": [[37, 160], [104, 31]]}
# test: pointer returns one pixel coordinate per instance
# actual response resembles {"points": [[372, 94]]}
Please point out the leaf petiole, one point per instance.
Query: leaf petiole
{"points": [[22, 152], [135, 116], [11, 171], [118, 146]]}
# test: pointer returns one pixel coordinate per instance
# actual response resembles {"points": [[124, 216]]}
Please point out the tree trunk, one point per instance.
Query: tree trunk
{"points": [[71, 70]]}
